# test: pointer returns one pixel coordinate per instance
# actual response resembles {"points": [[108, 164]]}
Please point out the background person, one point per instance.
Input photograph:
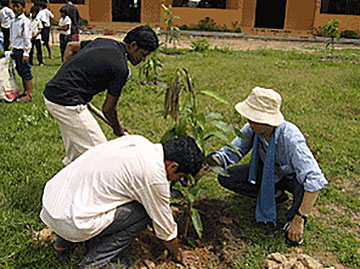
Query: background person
{"points": [[73, 13], [6, 17], [91, 67], [65, 31], [281, 161], [112, 191], [20, 41], [36, 28], [45, 16]]}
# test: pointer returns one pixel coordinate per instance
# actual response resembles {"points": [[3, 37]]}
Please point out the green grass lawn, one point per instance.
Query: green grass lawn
{"points": [[321, 97]]}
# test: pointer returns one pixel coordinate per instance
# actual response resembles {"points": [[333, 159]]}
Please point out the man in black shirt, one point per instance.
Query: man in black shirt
{"points": [[74, 15], [91, 67]]}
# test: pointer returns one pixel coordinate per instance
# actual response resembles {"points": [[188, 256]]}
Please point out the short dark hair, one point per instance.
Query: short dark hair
{"points": [[42, 4], [34, 9], [144, 36], [186, 153], [64, 10], [21, 2], [5, 3]]}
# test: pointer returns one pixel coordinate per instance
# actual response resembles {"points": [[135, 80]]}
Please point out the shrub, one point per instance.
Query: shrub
{"points": [[201, 44], [331, 29], [349, 34]]}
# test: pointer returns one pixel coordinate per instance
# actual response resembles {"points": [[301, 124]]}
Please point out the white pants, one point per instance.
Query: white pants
{"points": [[79, 130]]}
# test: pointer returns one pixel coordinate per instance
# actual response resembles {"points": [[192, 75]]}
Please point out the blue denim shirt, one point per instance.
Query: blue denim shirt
{"points": [[292, 155]]}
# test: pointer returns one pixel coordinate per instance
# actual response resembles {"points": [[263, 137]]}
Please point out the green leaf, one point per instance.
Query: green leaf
{"points": [[214, 116], [221, 125], [219, 135], [201, 120], [196, 220], [215, 96]]}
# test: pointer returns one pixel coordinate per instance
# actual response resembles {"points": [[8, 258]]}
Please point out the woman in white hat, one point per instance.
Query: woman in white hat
{"points": [[281, 161]]}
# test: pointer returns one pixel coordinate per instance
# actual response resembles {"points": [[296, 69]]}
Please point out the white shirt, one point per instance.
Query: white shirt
{"points": [[6, 17], [80, 201], [45, 16], [63, 22], [20, 34], [36, 26]]}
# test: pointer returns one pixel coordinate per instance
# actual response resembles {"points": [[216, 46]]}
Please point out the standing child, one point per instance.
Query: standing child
{"points": [[20, 36], [6, 17], [45, 16], [36, 28], [65, 30]]}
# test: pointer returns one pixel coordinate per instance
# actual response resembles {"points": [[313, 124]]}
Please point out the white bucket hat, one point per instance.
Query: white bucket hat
{"points": [[262, 106]]}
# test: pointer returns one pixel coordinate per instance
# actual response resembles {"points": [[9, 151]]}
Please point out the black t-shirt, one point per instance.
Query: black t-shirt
{"points": [[99, 65], [74, 15]]}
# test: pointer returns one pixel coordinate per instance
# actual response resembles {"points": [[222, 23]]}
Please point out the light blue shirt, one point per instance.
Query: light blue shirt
{"points": [[292, 155]]}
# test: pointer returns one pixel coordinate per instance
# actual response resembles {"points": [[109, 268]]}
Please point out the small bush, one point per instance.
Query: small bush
{"points": [[83, 22], [201, 44], [349, 34], [207, 24]]}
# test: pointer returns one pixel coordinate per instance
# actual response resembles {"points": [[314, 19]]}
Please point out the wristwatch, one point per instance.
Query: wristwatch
{"points": [[302, 216]]}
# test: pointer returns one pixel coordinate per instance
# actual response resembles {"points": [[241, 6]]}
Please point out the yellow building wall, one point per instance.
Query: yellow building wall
{"points": [[248, 13], [192, 16], [299, 15], [347, 22], [100, 10], [151, 12], [54, 8]]}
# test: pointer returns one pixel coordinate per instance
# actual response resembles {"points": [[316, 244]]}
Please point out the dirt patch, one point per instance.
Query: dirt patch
{"points": [[222, 243]]}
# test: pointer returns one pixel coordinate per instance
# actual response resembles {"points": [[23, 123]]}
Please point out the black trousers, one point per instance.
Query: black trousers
{"points": [[37, 44], [238, 182], [64, 39], [130, 219], [6, 33]]}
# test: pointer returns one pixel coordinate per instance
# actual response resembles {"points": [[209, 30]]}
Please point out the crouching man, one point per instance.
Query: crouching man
{"points": [[281, 161], [113, 190]]}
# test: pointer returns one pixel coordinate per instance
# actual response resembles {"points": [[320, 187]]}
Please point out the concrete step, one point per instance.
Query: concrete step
{"points": [[306, 34], [114, 26]]}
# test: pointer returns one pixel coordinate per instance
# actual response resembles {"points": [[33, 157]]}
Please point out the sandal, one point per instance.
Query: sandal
{"points": [[22, 99]]}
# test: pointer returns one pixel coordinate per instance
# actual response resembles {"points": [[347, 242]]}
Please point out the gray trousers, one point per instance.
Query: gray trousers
{"points": [[130, 219], [238, 182]]}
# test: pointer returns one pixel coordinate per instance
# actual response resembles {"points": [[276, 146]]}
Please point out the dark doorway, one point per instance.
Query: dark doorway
{"points": [[270, 14], [126, 10]]}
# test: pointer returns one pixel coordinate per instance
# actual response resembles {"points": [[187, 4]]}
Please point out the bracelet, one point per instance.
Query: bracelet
{"points": [[301, 216]]}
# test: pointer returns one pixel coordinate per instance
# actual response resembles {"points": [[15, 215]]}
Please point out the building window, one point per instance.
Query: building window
{"points": [[220, 4], [344, 7]]}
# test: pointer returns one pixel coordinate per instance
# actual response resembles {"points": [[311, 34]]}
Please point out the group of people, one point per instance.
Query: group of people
{"points": [[23, 35], [109, 191]]}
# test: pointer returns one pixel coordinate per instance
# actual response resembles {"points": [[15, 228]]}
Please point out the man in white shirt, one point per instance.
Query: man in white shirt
{"points": [[113, 190], [20, 40], [6, 17], [45, 17]]}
